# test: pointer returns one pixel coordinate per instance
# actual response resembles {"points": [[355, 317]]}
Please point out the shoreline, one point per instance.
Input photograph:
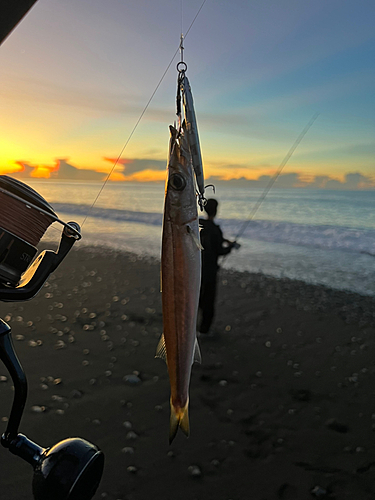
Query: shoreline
{"points": [[282, 406]]}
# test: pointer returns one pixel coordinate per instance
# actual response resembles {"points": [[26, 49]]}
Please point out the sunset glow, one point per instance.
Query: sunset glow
{"points": [[253, 92]]}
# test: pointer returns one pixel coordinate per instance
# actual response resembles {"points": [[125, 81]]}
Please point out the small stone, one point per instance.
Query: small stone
{"points": [[85, 362], [60, 344], [128, 450], [44, 387], [86, 351], [319, 492], [60, 412], [92, 381], [57, 398], [32, 343], [194, 471], [20, 338], [96, 421], [158, 408], [337, 426], [3, 378], [127, 424], [57, 381], [223, 383], [132, 469], [131, 379], [76, 394], [131, 435], [38, 409]]}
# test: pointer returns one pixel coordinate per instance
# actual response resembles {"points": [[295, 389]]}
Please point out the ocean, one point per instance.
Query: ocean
{"points": [[317, 236]]}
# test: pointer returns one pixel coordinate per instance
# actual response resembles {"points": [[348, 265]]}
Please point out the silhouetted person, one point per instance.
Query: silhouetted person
{"points": [[213, 245]]}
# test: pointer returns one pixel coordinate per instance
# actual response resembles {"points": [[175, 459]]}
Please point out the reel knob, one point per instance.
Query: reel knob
{"points": [[70, 470]]}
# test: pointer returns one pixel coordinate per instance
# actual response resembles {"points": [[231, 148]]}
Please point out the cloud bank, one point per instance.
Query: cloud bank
{"points": [[148, 170]]}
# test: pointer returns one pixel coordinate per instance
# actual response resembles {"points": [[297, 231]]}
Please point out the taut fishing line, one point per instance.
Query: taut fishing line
{"points": [[142, 113], [273, 179]]}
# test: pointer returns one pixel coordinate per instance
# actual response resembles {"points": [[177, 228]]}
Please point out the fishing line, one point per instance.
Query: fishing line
{"points": [[273, 179], [141, 116]]}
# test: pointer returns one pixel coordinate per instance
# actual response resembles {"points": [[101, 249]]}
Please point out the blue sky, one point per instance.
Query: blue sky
{"points": [[77, 74]]}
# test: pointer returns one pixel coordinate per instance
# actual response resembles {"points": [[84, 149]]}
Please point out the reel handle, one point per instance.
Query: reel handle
{"points": [[69, 470], [47, 261]]}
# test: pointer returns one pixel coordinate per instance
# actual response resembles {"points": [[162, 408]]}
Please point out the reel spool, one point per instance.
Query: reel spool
{"points": [[24, 218], [71, 469]]}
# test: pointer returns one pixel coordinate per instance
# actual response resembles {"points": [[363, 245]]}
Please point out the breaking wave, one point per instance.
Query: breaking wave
{"points": [[325, 237]]}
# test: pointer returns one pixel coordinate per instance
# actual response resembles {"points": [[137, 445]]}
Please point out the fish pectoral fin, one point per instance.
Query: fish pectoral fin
{"points": [[179, 418], [195, 237], [197, 353], [161, 350]]}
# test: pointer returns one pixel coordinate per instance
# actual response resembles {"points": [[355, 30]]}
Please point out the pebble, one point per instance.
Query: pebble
{"points": [[20, 337], [76, 394], [38, 409], [223, 383], [337, 426], [60, 344], [318, 491], [194, 471], [60, 412], [128, 449], [3, 378], [127, 424], [131, 435], [57, 398], [131, 379], [132, 469]]}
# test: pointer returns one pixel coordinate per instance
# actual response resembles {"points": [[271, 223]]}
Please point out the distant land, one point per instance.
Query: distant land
{"points": [[145, 170]]}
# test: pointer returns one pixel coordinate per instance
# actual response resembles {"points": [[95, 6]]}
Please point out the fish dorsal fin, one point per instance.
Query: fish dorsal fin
{"points": [[197, 353], [195, 237], [161, 350]]}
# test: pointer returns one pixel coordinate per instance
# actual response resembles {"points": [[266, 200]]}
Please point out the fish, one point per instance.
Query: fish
{"points": [[180, 279], [192, 133]]}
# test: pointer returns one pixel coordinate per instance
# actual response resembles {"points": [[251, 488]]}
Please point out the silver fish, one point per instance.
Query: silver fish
{"points": [[180, 279]]}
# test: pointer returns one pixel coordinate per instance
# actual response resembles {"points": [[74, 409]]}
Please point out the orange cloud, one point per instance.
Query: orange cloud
{"points": [[39, 171], [146, 176]]}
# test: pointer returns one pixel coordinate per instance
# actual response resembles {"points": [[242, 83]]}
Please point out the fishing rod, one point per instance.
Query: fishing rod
{"points": [[273, 179]]}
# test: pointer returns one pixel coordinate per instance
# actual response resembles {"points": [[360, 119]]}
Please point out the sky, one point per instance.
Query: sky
{"points": [[76, 76]]}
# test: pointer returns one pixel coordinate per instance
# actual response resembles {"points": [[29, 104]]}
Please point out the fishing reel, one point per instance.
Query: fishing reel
{"points": [[71, 469]]}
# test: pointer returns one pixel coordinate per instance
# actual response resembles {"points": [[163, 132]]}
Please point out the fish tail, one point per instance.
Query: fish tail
{"points": [[179, 418]]}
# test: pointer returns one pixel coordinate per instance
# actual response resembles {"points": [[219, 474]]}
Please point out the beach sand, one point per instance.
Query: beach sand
{"points": [[282, 406]]}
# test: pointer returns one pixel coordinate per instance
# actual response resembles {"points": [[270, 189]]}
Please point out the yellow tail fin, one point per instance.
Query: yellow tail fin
{"points": [[179, 418]]}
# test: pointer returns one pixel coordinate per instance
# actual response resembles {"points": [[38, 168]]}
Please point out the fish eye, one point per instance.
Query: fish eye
{"points": [[177, 182]]}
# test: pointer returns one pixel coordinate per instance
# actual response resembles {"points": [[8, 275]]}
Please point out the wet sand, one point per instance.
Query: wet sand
{"points": [[282, 407]]}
